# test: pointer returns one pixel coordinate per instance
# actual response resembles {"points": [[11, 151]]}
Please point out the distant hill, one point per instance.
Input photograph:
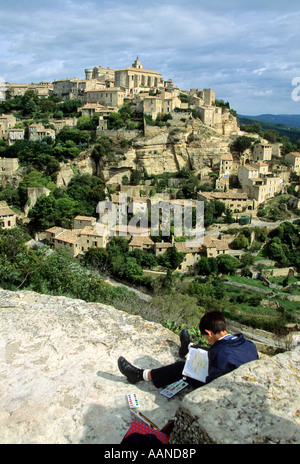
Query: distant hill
{"points": [[286, 119], [290, 129]]}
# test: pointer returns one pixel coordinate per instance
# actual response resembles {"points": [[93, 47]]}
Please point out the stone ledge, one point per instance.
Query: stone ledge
{"points": [[60, 382], [257, 403]]}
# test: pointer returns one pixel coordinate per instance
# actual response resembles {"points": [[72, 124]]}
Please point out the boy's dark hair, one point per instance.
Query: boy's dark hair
{"points": [[214, 321]]}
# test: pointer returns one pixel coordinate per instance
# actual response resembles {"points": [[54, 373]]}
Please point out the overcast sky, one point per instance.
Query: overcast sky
{"points": [[248, 52]]}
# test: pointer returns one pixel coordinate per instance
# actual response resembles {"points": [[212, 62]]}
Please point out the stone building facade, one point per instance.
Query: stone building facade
{"points": [[8, 219], [86, 234], [258, 182], [294, 159], [262, 152], [135, 78], [7, 122]]}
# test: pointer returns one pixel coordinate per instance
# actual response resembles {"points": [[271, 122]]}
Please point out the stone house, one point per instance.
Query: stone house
{"points": [[111, 96], [162, 103], [101, 74], [7, 122], [134, 79], [192, 256], [8, 219], [82, 221], [226, 164], [43, 89], [294, 159], [205, 96], [258, 182], [17, 90], [162, 247], [236, 201], [38, 132], [59, 124], [143, 242], [262, 152], [68, 240], [74, 88], [15, 134], [210, 115], [151, 105], [93, 237], [52, 233], [89, 109], [214, 247], [86, 234]]}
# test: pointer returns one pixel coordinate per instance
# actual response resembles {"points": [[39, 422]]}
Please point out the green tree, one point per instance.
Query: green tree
{"points": [[228, 264], [135, 177], [247, 259], [207, 266], [29, 103], [132, 269], [241, 241], [228, 218], [33, 179], [102, 148], [43, 214], [242, 143], [171, 258], [96, 257], [115, 121]]}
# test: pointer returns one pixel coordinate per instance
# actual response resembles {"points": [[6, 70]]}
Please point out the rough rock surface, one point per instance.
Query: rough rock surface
{"points": [[60, 382], [257, 403], [59, 377]]}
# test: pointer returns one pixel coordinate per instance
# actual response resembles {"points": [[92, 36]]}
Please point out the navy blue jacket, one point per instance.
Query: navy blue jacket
{"points": [[227, 354]]}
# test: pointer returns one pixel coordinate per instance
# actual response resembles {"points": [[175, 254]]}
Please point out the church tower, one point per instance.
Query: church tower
{"points": [[137, 64]]}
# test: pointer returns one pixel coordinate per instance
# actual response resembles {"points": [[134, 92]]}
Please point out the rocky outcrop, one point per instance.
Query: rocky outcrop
{"points": [[186, 143], [256, 403], [60, 382], [84, 164], [189, 145]]}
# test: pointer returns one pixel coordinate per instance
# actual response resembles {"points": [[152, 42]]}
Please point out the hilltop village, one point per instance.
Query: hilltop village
{"points": [[131, 132]]}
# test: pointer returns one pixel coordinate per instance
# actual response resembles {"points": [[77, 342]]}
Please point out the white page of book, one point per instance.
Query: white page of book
{"points": [[196, 365]]}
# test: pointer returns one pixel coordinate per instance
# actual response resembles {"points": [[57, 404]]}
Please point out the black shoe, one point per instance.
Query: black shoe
{"points": [[132, 373], [185, 341]]}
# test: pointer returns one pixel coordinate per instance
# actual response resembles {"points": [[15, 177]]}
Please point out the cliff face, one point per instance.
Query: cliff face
{"points": [[60, 382], [189, 144]]}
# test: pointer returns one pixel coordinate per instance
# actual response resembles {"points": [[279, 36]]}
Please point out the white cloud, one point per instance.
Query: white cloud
{"points": [[235, 48]]}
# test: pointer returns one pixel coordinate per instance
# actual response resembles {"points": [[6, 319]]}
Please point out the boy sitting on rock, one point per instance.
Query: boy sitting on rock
{"points": [[226, 353]]}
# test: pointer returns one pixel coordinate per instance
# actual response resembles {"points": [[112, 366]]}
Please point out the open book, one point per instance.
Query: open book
{"points": [[196, 365]]}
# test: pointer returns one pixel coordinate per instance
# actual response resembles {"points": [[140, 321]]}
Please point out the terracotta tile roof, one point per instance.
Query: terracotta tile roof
{"points": [[163, 245], [98, 230], [85, 218], [68, 236], [182, 247], [250, 167], [54, 229], [5, 211], [141, 240], [295, 153], [210, 242], [224, 195]]}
